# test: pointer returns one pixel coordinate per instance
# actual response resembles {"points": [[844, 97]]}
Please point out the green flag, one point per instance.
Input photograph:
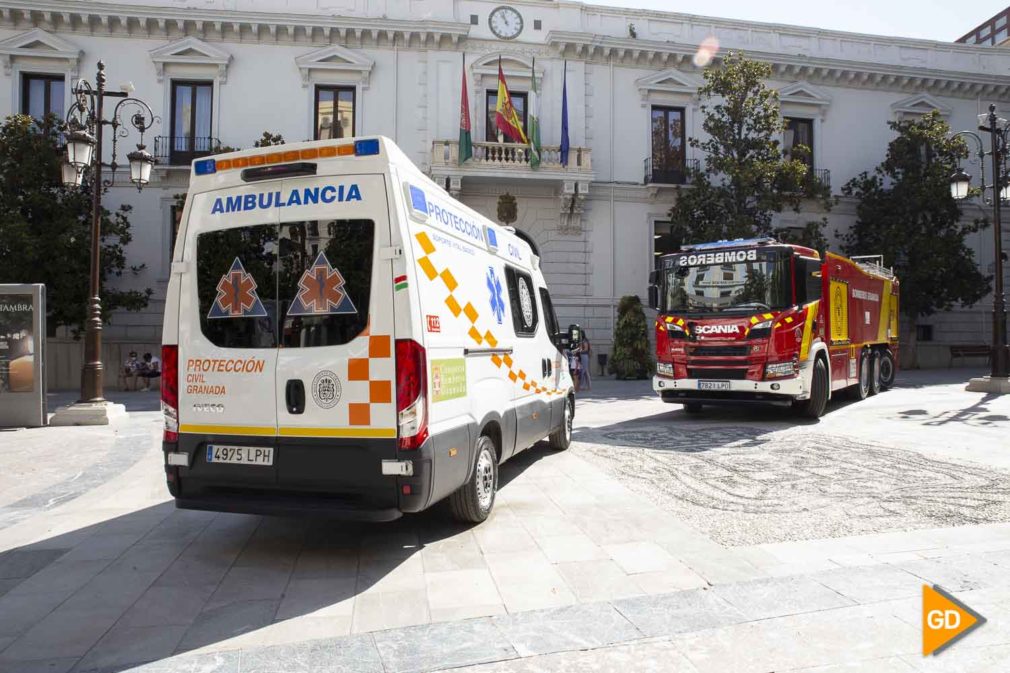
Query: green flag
{"points": [[534, 125], [465, 141]]}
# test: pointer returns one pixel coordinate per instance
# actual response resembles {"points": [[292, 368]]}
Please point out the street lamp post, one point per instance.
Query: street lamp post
{"points": [[84, 151], [960, 182]]}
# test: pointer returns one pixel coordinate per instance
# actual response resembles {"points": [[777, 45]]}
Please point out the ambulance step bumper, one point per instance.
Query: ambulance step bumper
{"points": [[278, 504]]}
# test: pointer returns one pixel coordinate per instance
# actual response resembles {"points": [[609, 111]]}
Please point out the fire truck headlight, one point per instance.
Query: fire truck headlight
{"points": [[779, 369], [664, 368]]}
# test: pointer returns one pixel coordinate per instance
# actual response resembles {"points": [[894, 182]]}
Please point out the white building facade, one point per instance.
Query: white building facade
{"points": [[224, 71]]}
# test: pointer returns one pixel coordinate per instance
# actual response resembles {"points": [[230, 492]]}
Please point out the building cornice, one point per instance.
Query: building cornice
{"points": [[834, 72], [213, 25]]}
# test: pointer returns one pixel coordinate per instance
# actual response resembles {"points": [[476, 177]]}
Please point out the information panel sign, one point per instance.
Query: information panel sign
{"points": [[22, 357]]}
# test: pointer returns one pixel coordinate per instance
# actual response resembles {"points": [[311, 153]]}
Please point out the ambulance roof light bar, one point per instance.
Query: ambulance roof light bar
{"points": [[735, 243], [360, 148]]}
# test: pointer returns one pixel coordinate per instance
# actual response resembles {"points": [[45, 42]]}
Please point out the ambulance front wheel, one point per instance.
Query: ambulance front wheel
{"points": [[561, 438], [887, 370], [473, 501]]}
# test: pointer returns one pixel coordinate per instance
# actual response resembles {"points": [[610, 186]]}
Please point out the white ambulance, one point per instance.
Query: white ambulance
{"points": [[342, 337]]}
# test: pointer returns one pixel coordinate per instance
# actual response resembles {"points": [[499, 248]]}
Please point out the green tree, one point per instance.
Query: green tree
{"points": [[632, 357], [45, 228], [746, 179], [906, 214]]}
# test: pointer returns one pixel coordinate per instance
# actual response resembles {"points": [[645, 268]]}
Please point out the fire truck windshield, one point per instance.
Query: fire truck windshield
{"points": [[728, 280]]}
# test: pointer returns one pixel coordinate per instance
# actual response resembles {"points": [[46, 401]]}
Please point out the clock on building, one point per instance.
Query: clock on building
{"points": [[505, 22]]}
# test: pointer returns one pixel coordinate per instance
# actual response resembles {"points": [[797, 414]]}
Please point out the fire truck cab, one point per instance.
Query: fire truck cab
{"points": [[762, 321]]}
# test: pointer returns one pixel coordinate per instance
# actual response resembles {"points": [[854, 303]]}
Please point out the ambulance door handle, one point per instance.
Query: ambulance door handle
{"points": [[543, 367], [294, 396]]}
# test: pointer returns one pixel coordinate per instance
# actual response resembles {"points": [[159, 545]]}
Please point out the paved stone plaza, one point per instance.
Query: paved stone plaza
{"points": [[736, 540]]}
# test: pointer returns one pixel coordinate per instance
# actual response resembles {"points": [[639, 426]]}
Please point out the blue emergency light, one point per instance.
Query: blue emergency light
{"points": [[205, 167], [735, 243], [364, 148]]}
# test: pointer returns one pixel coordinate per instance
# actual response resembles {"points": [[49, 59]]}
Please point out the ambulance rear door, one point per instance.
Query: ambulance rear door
{"points": [[228, 324], [335, 378]]}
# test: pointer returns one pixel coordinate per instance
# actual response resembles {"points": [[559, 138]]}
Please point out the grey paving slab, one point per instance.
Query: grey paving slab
{"points": [[353, 654], [424, 648], [20, 564], [959, 573], [324, 597], [126, 646], [61, 577], [645, 657], [574, 627], [678, 612], [228, 621], [869, 584], [964, 660], [249, 584], [761, 599], [213, 662], [7, 585], [168, 606], [59, 665], [18, 613]]}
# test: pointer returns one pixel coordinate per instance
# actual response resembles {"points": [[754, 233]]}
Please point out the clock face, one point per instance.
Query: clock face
{"points": [[505, 22]]}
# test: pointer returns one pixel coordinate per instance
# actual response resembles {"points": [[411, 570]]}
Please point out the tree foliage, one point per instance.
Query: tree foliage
{"points": [[746, 179], [632, 357], [906, 213], [45, 228]]}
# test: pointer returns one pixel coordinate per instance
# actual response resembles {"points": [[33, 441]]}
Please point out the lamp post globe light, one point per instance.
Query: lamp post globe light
{"points": [[86, 124], [993, 194]]}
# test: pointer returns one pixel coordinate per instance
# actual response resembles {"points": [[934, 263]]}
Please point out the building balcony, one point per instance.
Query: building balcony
{"points": [[505, 160], [678, 173], [821, 176], [180, 151]]}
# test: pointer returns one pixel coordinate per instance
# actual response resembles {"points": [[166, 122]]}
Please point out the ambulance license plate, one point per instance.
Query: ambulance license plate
{"points": [[240, 455], [713, 385]]}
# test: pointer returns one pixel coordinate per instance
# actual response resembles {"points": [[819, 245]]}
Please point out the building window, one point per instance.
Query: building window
{"points": [[474, 20], [191, 121], [798, 140], [537, 24], [334, 112], [924, 332], [42, 95], [491, 133], [668, 145], [665, 240]]}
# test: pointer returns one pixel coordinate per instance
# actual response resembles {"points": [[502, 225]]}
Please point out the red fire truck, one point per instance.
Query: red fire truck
{"points": [[762, 321]]}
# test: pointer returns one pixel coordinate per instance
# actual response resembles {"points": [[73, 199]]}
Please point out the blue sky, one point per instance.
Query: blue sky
{"points": [[927, 19]]}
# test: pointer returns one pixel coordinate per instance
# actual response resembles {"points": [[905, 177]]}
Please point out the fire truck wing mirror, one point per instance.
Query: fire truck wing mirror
{"points": [[809, 286], [654, 297]]}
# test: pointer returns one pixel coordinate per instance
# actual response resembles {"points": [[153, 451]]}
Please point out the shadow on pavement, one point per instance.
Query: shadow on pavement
{"points": [[156, 582], [133, 400]]}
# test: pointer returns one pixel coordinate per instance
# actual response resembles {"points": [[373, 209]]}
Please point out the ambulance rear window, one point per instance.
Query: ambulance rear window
{"points": [[237, 286], [325, 279]]}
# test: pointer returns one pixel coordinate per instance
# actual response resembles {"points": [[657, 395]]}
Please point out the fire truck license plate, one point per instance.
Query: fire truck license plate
{"points": [[713, 385], [240, 455]]}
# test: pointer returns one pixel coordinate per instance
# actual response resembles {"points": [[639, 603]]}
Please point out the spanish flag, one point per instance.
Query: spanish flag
{"points": [[505, 117]]}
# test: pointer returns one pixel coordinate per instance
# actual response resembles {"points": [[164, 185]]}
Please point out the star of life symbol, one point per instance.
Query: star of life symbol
{"points": [[496, 300], [321, 291], [236, 295]]}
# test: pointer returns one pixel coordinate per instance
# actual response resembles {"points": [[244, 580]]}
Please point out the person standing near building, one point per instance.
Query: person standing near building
{"points": [[150, 369], [585, 380]]}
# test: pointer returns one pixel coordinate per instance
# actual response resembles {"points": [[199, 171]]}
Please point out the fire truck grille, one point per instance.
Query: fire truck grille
{"points": [[712, 373], [718, 351]]}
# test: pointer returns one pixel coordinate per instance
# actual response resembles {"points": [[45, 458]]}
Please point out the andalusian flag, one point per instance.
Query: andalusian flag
{"points": [[534, 120], [465, 141], [505, 117]]}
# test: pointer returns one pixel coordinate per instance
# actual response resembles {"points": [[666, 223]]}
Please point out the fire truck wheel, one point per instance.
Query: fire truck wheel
{"points": [[886, 370], [861, 390], [874, 373], [819, 383], [692, 407]]}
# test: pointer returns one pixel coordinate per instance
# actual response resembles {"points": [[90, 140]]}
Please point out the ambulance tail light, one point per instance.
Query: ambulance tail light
{"points": [[411, 393], [170, 392]]}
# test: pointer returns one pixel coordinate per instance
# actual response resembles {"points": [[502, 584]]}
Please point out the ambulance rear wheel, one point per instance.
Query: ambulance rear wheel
{"points": [[561, 439], [874, 373], [861, 390], [814, 406], [473, 501], [887, 370]]}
